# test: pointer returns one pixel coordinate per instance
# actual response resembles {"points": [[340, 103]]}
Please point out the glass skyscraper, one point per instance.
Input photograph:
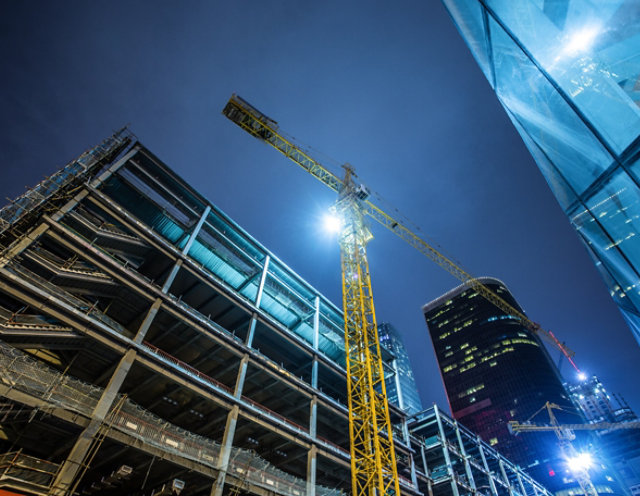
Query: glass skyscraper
{"points": [[401, 386], [568, 74], [495, 370]]}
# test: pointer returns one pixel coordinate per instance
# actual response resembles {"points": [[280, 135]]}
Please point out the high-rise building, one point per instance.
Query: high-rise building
{"points": [[495, 370], [595, 402], [568, 74], [149, 344], [400, 384]]}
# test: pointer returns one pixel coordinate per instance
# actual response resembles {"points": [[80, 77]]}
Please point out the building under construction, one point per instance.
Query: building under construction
{"points": [[149, 345], [145, 337]]}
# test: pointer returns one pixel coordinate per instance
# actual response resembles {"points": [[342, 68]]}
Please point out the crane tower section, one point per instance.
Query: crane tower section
{"points": [[373, 460]]}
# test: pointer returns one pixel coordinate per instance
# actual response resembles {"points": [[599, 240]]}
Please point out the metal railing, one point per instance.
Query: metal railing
{"points": [[86, 163], [20, 372]]}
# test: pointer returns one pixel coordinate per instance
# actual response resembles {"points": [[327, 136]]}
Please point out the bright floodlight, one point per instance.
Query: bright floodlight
{"points": [[332, 223], [580, 463], [582, 376]]}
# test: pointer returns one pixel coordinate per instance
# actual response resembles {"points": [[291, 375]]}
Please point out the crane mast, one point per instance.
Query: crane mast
{"points": [[373, 465]]}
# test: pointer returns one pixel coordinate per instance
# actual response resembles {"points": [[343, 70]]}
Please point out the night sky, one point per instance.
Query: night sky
{"points": [[391, 89]]}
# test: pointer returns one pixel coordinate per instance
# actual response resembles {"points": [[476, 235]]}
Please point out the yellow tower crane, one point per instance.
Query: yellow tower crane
{"points": [[373, 462]]}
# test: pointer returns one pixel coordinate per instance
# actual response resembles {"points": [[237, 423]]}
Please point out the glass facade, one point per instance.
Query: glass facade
{"points": [[568, 74], [495, 370], [401, 386]]}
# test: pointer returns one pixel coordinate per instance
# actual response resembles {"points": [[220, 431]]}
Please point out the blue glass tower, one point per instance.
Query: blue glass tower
{"points": [[568, 74], [401, 386]]}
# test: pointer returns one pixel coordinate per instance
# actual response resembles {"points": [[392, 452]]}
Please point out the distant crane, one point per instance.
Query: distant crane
{"points": [[373, 461], [565, 434]]}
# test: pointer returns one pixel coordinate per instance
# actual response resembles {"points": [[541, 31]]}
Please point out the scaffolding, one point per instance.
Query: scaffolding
{"points": [[22, 373], [76, 170]]}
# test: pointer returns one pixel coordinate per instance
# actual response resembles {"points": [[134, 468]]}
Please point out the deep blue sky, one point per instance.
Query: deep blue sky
{"points": [[392, 89]]}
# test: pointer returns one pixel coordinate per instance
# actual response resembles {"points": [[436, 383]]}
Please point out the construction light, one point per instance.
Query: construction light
{"points": [[332, 223], [580, 463], [582, 376]]}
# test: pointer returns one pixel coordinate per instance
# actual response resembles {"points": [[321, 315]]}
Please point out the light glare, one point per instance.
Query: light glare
{"points": [[580, 463], [582, 376], [332, 223], [581, 40]]}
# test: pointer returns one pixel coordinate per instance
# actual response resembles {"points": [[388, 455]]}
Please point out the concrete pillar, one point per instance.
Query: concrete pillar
{"points": [[229, 431], [254, 316], [312, 457], [242, 373], [316, 343], [71, 467], [225, 451], [312, 454], [74, 463], [185, 251], [313, 417]]}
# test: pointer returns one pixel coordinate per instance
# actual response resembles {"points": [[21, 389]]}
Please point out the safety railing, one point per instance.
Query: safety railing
{"points": [[18, 371], [13, 212]]}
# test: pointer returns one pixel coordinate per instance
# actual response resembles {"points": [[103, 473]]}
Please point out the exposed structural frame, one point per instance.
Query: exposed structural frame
{"points": [[458, 462], [138, 346]]}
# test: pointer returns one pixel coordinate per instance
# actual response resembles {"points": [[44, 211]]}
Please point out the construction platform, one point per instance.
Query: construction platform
{"points": [[142, 328]]}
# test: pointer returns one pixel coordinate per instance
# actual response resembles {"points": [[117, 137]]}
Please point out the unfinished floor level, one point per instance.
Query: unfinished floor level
{"points": [[149, 345]]}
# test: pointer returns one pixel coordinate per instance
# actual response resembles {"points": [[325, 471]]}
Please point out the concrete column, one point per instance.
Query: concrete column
{"points": [[312, 454], [225, 451], [242, 374], [254, 316], [313, 417], [316, 343], [229, 431], [311, 470], [146, 323], [74, 462], [185, 251], [486, 467], [445, 451]]}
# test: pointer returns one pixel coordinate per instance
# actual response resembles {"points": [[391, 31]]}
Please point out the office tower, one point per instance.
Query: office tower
{"points": [[149, 344], [568, 75], [495, 370], [596, 404], [401, 384]]}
